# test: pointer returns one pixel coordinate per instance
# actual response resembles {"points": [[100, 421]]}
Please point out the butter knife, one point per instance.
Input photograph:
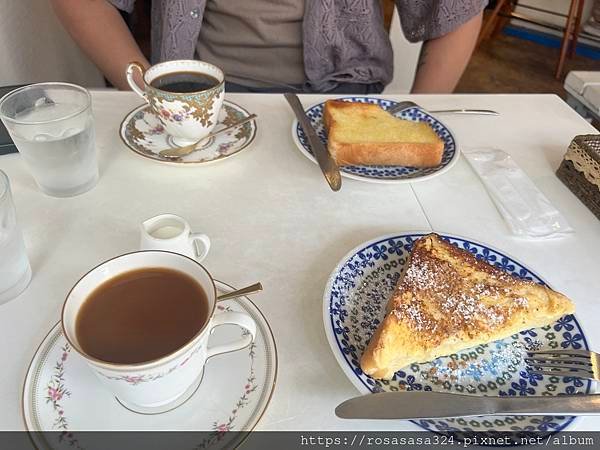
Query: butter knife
{"points": [[328, 166], [431, 405]]}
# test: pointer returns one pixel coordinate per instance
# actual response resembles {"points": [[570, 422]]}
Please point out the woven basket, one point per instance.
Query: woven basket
{"points": [[580, 170]]}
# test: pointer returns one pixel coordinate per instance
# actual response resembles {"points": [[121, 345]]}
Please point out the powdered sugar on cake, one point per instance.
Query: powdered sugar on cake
{"points": [[434, 297]]}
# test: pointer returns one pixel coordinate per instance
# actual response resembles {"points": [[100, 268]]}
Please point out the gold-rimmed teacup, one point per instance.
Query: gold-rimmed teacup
{"points": [[186, 116]]}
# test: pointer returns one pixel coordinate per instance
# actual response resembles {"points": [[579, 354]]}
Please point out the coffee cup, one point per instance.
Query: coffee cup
{"points": [[172, 233], [185, 95], [163, 380]]}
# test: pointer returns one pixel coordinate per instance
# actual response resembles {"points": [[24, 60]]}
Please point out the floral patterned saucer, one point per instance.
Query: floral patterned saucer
{"points": [[143, 133], [354, 304], [382, 174], [62, 394]]}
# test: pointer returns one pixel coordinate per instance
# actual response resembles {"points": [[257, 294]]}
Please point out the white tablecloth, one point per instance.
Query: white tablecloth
{"points": [[272, 218]]}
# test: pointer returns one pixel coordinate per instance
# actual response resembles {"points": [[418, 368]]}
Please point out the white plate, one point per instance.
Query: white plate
{"points": [[382, 174], [62, 394]]}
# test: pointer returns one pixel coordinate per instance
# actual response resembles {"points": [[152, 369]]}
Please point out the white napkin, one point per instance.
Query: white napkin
{"points": [[525, 209]]}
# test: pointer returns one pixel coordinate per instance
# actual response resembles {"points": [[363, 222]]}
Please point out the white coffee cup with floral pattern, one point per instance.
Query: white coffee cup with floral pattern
{"points": [[163, 381], [186, 116]]}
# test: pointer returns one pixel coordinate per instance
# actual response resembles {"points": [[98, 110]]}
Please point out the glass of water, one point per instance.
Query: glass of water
{"points": [[52, 126], [15, 271]]}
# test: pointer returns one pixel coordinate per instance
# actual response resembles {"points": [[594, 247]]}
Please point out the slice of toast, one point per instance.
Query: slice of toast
{"points": [[365, 134], [447, 300]]}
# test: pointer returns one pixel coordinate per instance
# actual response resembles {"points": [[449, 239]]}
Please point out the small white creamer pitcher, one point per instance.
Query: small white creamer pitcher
{"points": [[172, 233]]}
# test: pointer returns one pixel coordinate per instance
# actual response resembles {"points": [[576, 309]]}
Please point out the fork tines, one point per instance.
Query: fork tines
{"points": [[564, 363]]}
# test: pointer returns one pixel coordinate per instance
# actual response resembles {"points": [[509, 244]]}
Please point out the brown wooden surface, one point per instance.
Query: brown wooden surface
{"points": [[491, 21], [508, 64], [568, 35], [499, 17]]}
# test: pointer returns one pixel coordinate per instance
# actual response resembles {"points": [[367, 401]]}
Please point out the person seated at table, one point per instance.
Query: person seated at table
{"points": [[283, 45]]}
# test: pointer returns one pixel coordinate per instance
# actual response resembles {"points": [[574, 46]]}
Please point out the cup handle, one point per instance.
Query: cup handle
{"points": [[132, 84], [234, 318], [204, 245]]}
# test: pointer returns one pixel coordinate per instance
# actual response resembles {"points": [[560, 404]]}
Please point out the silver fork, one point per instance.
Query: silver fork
{"points": [[401, 106], [565, 363]]}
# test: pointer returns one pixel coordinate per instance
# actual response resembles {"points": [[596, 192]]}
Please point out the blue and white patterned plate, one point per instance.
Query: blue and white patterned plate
{"points": [[354, 305], [382, 174]]}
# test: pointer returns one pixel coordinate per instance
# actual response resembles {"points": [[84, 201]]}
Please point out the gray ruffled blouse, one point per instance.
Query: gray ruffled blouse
{"points": [[344, 40]]}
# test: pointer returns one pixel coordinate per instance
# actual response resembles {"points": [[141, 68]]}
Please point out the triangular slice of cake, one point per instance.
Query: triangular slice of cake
{"points": [[365, 134], [447, 300]]}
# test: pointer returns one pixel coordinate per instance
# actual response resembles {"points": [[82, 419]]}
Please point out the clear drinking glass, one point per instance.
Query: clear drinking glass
{"points": [[15, 271], [52, 126]]}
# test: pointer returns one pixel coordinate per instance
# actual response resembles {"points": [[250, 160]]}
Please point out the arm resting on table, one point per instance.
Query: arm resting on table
{"points": [[102, 34]]}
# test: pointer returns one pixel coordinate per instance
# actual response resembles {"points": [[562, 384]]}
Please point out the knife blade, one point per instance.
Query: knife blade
{"points": [[432, 405], [328, 166]]}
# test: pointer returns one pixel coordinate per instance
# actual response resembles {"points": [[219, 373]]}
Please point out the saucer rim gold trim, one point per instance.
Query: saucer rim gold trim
{"points": [[185, 163]]}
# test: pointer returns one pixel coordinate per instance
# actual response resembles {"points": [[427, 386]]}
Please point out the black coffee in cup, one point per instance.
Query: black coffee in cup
{"points": [[184, 82]]}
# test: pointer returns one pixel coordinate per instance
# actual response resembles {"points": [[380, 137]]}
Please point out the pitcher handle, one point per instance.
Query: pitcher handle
{"points": [[132, 84], [200, 244]]}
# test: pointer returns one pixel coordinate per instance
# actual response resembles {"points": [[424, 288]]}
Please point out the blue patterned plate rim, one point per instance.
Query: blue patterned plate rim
{"points": [[346, 364], [386, 174]]}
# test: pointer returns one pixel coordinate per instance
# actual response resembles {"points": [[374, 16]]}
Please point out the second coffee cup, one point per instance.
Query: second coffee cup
{"points": [[142, 321]]}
